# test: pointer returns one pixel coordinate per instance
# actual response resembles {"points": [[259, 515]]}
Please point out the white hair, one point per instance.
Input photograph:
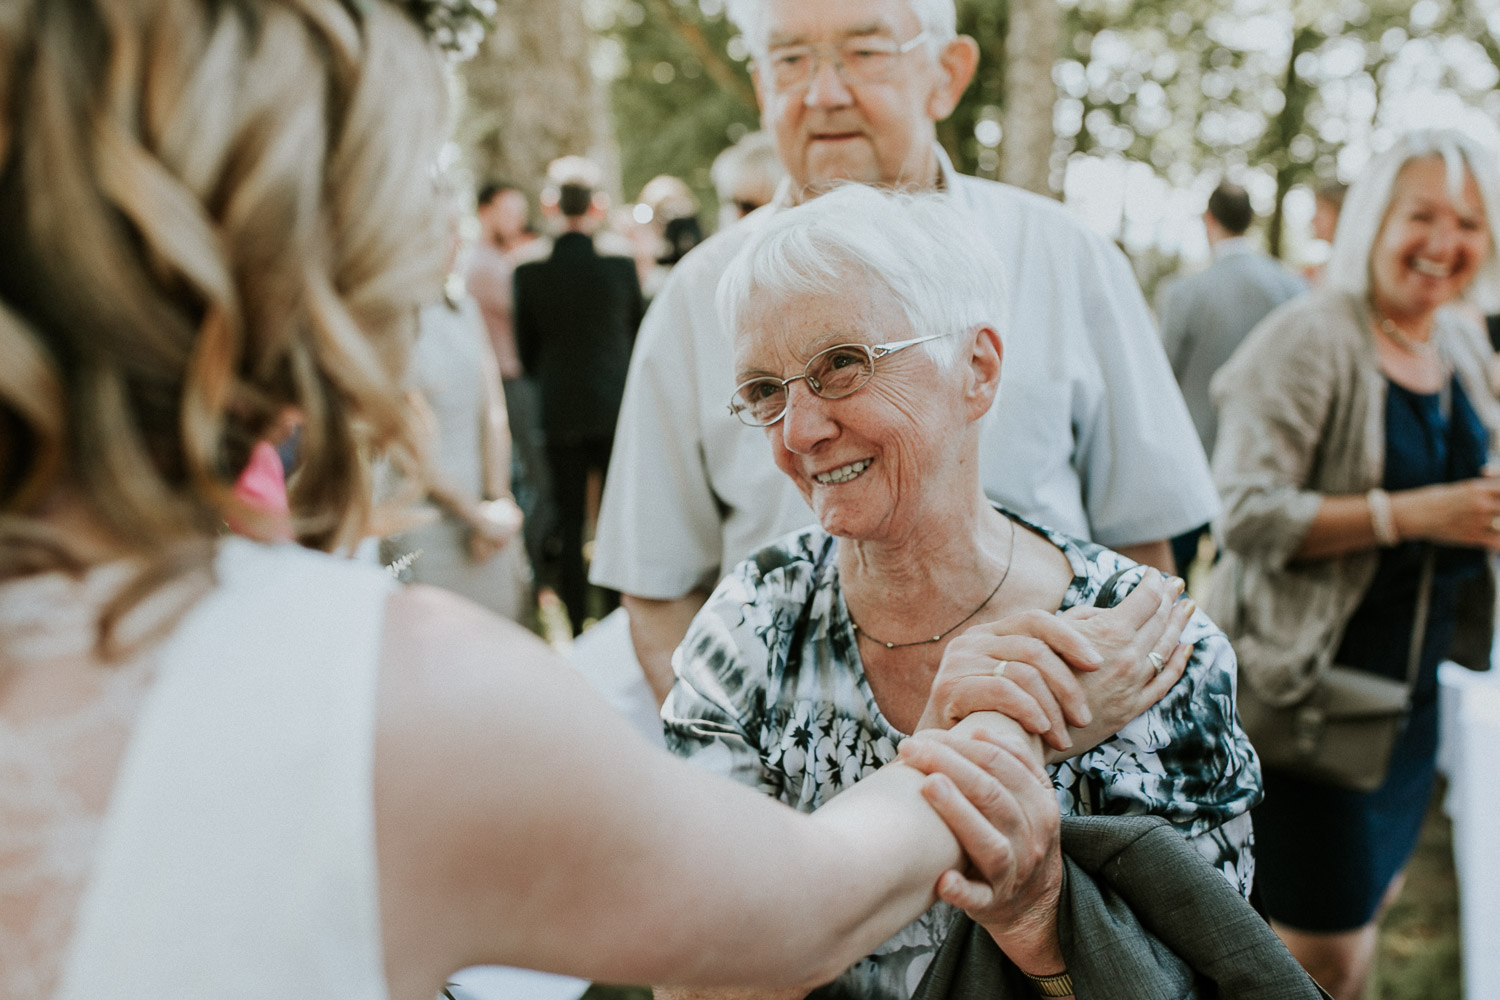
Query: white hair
{"points": [[1369, 199], [937, 17], [921, 251]]}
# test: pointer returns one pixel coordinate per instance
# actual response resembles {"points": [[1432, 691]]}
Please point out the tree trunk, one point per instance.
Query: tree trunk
{"points": [[531, 96], [1291, 121], [1031, 44]]}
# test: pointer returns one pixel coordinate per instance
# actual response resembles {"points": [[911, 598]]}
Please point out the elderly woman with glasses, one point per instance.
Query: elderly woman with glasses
{"points": [[867, 346]]}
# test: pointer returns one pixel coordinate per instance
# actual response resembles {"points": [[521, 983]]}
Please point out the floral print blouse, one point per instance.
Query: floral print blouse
{"points": [[771, 692]]}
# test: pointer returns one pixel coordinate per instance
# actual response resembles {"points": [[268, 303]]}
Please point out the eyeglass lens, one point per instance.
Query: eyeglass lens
{"points": [[833, 374], [857, 61]]}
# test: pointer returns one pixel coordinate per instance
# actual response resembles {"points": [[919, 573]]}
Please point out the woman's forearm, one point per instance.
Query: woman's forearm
{"points": [[462, 505], [567, 844], [496, 431], [873, 857], [1344, 524], [1464, 513]]}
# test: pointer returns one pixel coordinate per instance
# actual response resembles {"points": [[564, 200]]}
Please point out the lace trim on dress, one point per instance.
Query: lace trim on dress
{"points": [[65, 723]]}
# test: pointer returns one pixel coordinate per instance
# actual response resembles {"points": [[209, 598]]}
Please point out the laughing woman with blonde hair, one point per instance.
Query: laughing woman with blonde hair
{"points": [[236, 769], [1355, 425]]}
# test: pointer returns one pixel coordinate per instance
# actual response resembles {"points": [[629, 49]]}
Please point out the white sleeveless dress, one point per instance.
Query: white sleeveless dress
{"points": [[237, 855]]}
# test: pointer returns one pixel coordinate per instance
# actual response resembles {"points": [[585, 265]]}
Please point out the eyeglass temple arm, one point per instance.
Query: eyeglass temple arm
{"points": [[881, 350]]}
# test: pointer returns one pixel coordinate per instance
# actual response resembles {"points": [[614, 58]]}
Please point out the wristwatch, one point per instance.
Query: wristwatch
{"points": [[1060, 985]]}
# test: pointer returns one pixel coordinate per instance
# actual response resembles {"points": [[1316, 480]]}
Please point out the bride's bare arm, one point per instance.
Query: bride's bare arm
{"points": [[521, 822]]}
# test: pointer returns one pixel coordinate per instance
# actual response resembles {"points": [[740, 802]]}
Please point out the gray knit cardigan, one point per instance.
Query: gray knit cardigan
{"points": [[1302, 414]]}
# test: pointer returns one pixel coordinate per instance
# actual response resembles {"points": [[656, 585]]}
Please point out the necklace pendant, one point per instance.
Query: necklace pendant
{"points": [[890, 645]]}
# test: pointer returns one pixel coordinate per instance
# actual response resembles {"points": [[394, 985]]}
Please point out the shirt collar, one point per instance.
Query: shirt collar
{"points": [[946, 174], [1231, 247]]}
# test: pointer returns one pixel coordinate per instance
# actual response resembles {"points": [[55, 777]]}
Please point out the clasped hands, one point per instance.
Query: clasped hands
{"points": [[1071, 680], [1074, 678]]}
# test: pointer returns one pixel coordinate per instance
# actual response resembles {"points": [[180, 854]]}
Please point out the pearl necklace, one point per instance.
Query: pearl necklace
{"points": [[1009, 560]]}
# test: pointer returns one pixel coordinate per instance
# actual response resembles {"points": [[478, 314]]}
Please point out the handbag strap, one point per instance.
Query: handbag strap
{"points": [[1419, 620], [1429, 556]]}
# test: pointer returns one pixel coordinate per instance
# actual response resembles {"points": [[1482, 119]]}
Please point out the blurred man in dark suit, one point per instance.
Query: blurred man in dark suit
{"points": [[576, 315]]}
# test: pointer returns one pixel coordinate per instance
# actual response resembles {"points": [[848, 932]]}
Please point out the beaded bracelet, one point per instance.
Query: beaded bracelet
{"points": [[1381, 518]]}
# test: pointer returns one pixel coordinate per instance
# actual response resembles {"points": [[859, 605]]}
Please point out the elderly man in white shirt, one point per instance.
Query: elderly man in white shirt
{"points": [[1089, 435]]}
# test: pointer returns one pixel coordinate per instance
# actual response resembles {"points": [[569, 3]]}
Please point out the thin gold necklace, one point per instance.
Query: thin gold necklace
{"points": [[1009, 561], [1402, 339]]}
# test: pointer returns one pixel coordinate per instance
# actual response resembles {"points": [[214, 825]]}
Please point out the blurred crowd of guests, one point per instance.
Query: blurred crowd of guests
{"points": [[1344, 407], [1330, 452], [765, 434], [1300, 430], [522, 431]]}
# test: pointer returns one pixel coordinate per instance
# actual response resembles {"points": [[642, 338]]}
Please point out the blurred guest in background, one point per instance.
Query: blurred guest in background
{"points": [[629, 236], [674, 209], [506, 239], [1354, 429], [669, 206], [745, 176], [1328, 200], [576, 317], [1204, 316], [470, 544]]}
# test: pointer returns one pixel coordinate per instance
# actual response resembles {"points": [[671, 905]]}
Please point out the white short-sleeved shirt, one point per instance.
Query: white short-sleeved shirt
{"points": [[1089, 433]]}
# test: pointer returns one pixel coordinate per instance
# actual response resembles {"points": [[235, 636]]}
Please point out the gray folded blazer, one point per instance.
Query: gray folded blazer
{"points": [[1142, 915]]}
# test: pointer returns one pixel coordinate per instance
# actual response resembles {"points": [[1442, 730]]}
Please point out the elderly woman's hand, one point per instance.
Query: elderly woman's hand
{"points": [[1148, 623], [990, 787], [1021, 666], [1088, 668]]}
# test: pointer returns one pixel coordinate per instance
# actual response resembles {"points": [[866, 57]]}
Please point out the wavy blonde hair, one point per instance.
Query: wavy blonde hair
{"points": [[213, 210]]}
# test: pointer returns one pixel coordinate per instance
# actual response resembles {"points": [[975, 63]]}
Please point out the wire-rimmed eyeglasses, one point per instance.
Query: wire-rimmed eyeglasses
{"points": [[833, 373], [866, 59]]}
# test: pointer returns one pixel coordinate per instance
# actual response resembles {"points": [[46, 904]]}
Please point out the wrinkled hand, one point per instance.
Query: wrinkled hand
{"points": [[1149, 620], [1087, 668], [491, 528], [1036, 655], [993, 792], [1465, 513]]}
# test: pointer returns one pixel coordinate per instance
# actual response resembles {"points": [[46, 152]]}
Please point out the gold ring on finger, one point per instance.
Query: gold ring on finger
{"points": [[1158, 663], [1000, 668]]}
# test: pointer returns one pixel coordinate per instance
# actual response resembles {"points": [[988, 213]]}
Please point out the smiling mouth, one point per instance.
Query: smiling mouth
{"points": [[1430, 268], [844, 473]]}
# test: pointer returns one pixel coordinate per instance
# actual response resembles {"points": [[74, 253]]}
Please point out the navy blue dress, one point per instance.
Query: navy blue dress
{"points": [[1325, 855]]}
